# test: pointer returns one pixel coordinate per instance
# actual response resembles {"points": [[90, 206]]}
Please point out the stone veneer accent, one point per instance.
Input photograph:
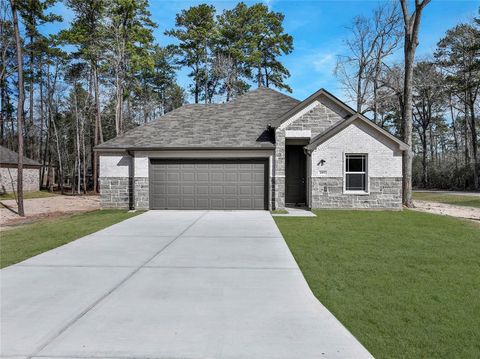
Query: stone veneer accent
{"points": [[141, 193], [385, 192], [114, 192], [8, 179], [317, 120]]}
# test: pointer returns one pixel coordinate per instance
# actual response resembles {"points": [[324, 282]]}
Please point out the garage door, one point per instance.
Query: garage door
{"points": [[208, 184]]}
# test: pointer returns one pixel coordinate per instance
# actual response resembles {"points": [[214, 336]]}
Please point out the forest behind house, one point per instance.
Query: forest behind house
{"points": [[107, 73]]}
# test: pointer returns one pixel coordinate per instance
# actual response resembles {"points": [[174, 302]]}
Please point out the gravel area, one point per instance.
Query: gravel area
{"points": [[49, 207], [448, 210]]}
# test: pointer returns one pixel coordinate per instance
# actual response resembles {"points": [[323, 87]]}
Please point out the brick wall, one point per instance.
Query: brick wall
{"points": [[384, 170], [316, 120], [8, 179], [114, 192], [385, 192], [142, 193]]}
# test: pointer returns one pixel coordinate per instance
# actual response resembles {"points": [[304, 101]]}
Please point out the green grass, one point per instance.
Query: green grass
{"points": [[28, 195], [29, 240], [406, 284], [458, 200]]}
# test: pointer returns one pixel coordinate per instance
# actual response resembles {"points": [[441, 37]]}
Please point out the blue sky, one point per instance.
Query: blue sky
{"points": [[318, 28]]}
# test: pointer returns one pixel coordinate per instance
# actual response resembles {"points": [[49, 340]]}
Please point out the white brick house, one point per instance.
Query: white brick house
{"points": [[8, 172], [263, 150]]}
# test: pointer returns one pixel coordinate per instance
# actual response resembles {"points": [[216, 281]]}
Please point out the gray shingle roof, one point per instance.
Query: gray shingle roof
{"points": [[11, 158], [240, 123]]}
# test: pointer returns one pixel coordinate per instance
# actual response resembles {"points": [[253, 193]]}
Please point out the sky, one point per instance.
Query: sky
{"points": [[319, 29]]}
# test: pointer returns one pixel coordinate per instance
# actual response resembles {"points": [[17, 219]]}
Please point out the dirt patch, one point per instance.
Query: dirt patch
{"points": [[50, 207], [448, 210]]}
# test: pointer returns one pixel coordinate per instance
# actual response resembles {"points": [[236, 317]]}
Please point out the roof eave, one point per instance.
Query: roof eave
{"points": [[123, 149]]}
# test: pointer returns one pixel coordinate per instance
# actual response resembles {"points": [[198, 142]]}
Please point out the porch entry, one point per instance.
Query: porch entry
{"points": [[296, 175]]}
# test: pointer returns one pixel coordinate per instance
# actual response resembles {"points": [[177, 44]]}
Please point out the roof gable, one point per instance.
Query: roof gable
{"points": [[322, 96], [344, 124]]}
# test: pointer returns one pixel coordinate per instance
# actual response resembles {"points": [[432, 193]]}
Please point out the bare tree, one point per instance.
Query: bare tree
{"points": [[429, 102], [411, 28], [373, 40], [20, 105]]}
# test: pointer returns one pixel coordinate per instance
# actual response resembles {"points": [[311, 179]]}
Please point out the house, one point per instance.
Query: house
{"points": [[263, 150], [8, 172]]}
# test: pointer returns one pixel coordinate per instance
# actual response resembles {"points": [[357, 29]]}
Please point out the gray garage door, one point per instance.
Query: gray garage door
{"points": [[208, 184]]}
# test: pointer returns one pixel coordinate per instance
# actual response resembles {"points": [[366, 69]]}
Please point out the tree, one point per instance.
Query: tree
{"points": [[20, 107], [372, 41], [429, 102], [459, 55], [34, 14], [411, 29], [87, 35], [232, 49], [266, 42], [7, 68], [129, 44], [195, 30]]}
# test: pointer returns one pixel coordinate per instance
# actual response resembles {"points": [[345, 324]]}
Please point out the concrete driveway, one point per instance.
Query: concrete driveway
{"points": [[170, 284]]}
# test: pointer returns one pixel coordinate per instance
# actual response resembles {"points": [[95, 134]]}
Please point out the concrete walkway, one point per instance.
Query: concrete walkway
{"points": [[170, 284]]}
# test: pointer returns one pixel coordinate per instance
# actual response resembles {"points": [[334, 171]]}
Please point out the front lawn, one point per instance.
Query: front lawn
{"points": [[455, 199], [29, 240], [28, 195], [406, 284]]}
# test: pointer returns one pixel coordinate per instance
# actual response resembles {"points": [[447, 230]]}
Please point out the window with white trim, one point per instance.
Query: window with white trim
{"points": [[355, 173]]}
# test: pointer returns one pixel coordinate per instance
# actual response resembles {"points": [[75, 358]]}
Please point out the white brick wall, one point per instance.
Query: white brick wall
{"points": [[114, 165], [384, 157], [8, 179]]}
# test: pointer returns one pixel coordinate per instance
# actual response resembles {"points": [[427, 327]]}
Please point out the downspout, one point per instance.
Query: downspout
{"points": [[131, 181]]}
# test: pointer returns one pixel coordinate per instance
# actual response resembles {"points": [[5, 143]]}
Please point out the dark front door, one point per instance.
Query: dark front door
{"points": [[296, 170]]}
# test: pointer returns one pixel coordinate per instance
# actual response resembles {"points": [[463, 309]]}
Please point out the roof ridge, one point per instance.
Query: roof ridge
{"points": [[277, 92]]}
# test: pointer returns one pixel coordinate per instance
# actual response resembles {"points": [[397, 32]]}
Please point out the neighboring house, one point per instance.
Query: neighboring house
{"points": [[263, 150], [8, 172]]}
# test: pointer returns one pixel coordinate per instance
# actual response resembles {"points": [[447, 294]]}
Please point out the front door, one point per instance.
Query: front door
{"points": [[296, 170]]}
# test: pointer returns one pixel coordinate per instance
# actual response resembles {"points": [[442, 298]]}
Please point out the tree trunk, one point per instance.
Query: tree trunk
{"points": [[20, 104], [424, 158], [474, 142], [3, 111], [411, 28], [197, 83], [30, 110], [259, 75], [407, 124], [59, 155], [359, 96], [98, 128], [77, 132]]}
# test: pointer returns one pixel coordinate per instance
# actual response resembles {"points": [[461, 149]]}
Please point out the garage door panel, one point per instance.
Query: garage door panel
{"points": [[202, 176], [244, 190], [230, 190], [188, 190], [188, 177], [217, 177], [201, 189], [208, 184], [217, 189], [245, 177]]}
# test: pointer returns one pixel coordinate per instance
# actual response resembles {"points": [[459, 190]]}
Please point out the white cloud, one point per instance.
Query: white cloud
{"points": [[323, 62]]}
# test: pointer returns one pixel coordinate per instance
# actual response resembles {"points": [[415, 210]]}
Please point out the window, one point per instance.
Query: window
{"points": [[356, 173]]}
